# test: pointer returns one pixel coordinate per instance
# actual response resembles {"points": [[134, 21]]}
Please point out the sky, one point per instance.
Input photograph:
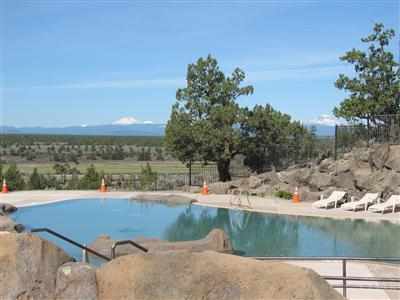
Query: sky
{"points": [[94, 62]]}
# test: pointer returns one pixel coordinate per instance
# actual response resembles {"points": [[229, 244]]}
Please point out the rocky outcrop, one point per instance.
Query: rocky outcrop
{"points": [[374, 169], [76, 281], [28, 266], [216, 240], [7, 224], [393, 161], [207, 275]]}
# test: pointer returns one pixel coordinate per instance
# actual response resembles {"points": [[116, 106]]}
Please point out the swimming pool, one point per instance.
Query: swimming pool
{"points": [[253, 234]]}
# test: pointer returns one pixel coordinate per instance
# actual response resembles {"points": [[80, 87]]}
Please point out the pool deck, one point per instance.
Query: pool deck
{"points": [[256, 204]]}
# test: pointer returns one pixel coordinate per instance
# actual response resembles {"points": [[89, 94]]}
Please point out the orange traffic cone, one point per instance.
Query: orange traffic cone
{"points": [[103, 187], [296, 196], [5, 187], [204, 191]]}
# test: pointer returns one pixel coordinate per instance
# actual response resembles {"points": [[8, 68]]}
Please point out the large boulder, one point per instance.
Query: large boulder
{"points": [[207, 275], [219, 188], [344, 181], [216, 240], [393, 162], [327, 166], [76, 281], [296, 177], [379, 156], [320, 181], [28, 266]]}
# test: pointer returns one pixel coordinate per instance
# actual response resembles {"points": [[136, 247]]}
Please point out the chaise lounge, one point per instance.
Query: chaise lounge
{"points": [[333, 200], [390, 204], [363, 203]]}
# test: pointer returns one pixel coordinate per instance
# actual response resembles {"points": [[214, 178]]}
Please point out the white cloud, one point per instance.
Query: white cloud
{"points": [[328, 120], [147, 122], [125, 121]]}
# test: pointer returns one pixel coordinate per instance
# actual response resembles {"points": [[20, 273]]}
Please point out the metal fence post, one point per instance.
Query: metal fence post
{"points": [[344, 272], [336, 142]]}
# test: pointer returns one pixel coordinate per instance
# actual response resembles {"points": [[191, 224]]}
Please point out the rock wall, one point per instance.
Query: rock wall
{"points": [[374, 169], [33, 268]]}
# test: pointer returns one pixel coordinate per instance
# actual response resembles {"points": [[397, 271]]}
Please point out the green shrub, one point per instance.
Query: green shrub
{"points": [[91, 180], [14, 178], [148, 178], [283, 194]]}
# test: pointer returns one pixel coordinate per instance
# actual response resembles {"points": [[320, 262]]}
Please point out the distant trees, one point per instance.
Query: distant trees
{"points": [[375, 88], [37, 181]]}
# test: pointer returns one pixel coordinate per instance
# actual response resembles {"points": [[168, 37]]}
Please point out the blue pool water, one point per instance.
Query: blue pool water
{"points": [[253, 234]]}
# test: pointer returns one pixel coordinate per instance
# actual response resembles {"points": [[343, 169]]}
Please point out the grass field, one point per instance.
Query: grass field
{"points": [[116, 167]]}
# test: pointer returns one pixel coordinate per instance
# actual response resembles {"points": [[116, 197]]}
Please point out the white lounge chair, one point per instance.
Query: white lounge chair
{"points": [[364, 202], [389, 204], [333, 199]]}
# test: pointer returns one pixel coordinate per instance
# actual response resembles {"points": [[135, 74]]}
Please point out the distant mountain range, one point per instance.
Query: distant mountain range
{"points": [[118, 130], [122, 130]]}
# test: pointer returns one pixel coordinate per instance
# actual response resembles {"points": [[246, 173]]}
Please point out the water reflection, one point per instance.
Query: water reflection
{"points": [[279, 235]]}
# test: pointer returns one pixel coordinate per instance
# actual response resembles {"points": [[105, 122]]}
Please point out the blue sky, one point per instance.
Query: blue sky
{"points": [[93, 62]]}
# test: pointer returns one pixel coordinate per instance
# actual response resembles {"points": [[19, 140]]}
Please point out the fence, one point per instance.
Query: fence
{"points": [[136, 181], [376, 130]]}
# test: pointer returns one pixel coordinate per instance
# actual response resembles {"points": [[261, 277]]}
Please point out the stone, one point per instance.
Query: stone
{"points": [[379, 156], [76, 281], [344, 181], [219, 188], [216, 240], [327, 166], [393, 162], [296, 177], [7, 224], [255, 182], [306, 195], [319, 181], [28, 266], [343, 166], [7, 208], [207, 275]]}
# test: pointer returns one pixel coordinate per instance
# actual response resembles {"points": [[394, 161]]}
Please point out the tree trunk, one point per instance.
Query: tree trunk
{"points": [[223, 170]]}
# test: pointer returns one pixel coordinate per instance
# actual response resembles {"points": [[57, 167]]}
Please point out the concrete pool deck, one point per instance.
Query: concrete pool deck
{"points": [[256, 204], [265, 205]]}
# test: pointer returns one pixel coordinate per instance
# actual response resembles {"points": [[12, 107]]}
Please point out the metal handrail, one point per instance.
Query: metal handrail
{"points": [[60, 236], [126, 242], [344, 278]]}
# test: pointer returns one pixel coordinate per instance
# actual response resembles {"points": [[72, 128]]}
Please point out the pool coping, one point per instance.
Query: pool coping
{"points": [[269, 205]]}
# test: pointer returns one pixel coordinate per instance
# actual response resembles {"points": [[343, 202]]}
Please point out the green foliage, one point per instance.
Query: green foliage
{"points": [[271, 138], [148, 178], [14, 178], [204, 121], [91, 180], [37, 181], [375, 90], [283, 194]]}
